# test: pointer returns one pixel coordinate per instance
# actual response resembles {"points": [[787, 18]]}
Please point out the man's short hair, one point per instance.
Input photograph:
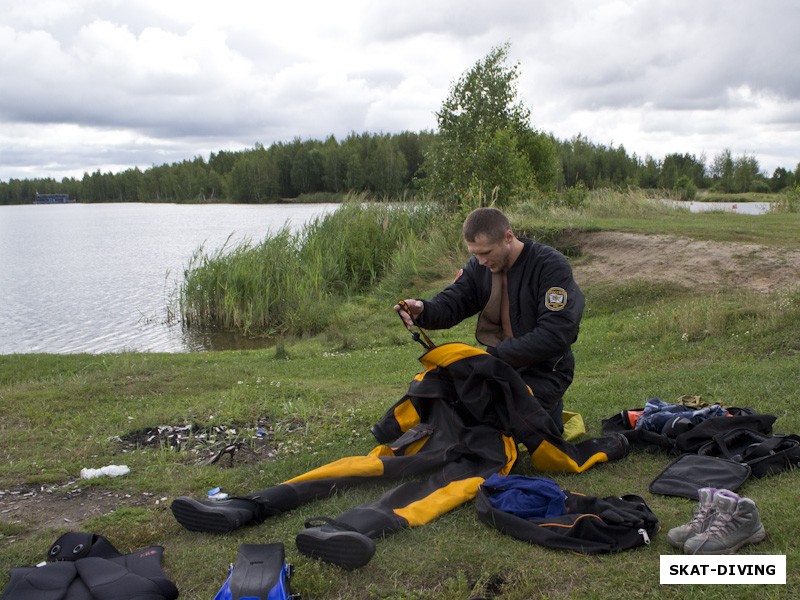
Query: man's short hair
{"points": [[490, 222]]}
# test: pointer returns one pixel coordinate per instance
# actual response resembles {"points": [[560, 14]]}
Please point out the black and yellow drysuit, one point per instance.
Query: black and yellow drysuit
{"points": [[459, 422]]}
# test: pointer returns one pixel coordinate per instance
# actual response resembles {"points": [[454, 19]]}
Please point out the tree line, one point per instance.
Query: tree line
{"points": [[375, 163], [386, 165]]}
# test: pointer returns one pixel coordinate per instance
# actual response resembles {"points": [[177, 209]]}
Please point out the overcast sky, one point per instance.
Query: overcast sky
{"points": [[113, 84]]}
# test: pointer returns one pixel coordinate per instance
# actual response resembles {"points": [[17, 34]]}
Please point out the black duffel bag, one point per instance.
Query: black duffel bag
{"points": [[764, 454]]}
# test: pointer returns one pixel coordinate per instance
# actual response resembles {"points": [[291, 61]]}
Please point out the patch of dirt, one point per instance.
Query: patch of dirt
{"points": [[69, 504], [619, 256], [59, 506]]}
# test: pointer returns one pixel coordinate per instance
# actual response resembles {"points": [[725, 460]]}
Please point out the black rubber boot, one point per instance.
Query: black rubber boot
{"points": [[620, 446], [335, 543], [214, 516]]}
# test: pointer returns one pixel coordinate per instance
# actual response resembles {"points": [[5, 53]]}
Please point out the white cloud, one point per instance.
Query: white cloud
{"points": [[111, 83]]}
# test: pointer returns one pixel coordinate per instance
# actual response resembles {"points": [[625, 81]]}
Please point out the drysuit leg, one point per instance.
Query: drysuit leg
{"points": [[383, 462], [413, 504], [347, 541], [324, 481], [459, 467]]}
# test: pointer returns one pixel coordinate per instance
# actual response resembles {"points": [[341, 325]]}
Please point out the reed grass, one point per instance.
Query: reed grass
{"points": [[241, 288], [290, 283]]}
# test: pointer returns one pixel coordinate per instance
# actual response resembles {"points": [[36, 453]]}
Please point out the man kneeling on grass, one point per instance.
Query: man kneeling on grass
{"points": [[529, 305]]}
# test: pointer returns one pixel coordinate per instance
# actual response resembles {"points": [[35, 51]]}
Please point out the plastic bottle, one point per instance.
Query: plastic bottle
{"points": [[216, 494]]}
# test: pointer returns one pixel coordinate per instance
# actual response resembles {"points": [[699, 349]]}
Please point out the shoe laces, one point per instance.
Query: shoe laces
{"points": [[720, 524], [702, 517]]}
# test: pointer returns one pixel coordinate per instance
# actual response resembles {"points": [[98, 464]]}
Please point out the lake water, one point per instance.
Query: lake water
{"points": [[98, 277], [742, 208]]}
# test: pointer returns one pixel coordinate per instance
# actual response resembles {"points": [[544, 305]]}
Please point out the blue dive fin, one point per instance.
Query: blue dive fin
{"points": [[259, 573]]}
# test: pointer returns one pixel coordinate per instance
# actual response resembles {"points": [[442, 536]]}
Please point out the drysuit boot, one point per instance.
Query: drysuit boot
{"points": [[677, 536], [335, 543], [214, 516], [619, 446], [736, 522]]}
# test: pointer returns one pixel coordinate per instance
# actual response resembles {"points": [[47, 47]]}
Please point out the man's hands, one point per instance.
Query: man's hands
{"points": [[408, 310]]}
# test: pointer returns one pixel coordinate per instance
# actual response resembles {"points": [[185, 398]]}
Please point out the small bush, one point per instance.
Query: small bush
{"points": [[686, 188], [759, 187], [574, 197], [789, 201]]}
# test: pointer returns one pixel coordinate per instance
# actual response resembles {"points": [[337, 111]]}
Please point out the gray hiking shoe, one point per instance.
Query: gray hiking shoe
{"points": [[677, 536], [735, 523]]}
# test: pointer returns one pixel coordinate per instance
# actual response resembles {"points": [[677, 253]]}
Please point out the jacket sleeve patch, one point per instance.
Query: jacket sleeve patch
{"points": [[555, 299], [458, 275]]}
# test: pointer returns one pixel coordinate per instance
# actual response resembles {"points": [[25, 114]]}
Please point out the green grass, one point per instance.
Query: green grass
{"points": [[321, 394], [711, 196], [634, 212]]}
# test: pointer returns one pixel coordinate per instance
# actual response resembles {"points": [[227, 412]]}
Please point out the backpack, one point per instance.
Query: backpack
{"points": [[726, 460], [690, 471], [590, 525], [86, 566]]}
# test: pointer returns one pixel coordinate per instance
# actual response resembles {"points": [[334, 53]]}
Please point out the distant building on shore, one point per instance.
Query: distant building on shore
{"points": [[51, 198]]}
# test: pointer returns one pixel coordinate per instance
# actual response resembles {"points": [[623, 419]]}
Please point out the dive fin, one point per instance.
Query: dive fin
{"points": [[259, 573]]}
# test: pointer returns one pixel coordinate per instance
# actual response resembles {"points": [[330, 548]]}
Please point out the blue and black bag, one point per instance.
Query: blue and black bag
{"points": [[585, 524]]}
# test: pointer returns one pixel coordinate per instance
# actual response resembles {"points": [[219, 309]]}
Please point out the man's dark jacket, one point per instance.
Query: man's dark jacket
{"points": [[545, 309]]}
